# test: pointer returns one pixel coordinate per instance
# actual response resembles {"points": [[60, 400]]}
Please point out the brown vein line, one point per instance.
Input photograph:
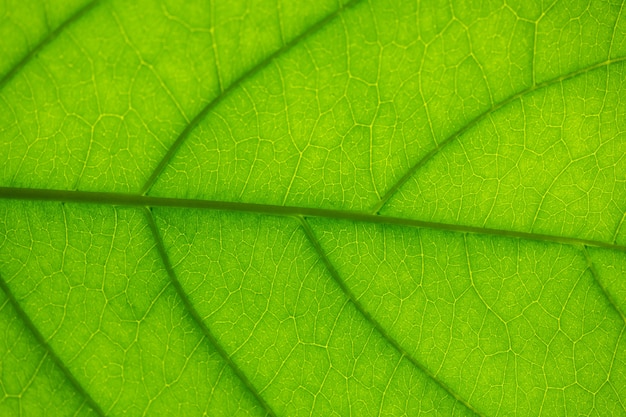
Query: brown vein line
{"points": [[225, 93], [370, 319], [268, 209], [51, 353], [435, 151], [45, 41], [196, 316], [596, 278]]}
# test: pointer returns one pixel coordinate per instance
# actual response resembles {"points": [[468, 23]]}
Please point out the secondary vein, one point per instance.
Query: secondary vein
{"points": [[227, 91], [369, 318], [28, 323], [437, 149], [45, 41], [596, 279], [196, 316]]}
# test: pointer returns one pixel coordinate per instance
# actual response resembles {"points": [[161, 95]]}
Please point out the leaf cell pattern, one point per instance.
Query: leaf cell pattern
{"points": [[373, 207]]}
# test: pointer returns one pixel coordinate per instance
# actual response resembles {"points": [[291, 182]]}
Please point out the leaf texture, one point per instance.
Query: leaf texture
{"points": [[376, 207]]}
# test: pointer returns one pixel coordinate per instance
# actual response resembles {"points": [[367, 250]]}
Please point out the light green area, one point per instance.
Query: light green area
{"points": [[259, 284], [25, 24], [610, 267], [91, 281], [101, 104], [506, 119], [30, 382], [369, 94], [551, 162], [512, 326]]}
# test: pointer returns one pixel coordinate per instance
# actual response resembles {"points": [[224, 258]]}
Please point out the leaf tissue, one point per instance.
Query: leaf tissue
{"points": [[329, 208]]}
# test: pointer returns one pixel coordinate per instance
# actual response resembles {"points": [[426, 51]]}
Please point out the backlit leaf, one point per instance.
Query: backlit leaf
{"points": [[319, 208]]}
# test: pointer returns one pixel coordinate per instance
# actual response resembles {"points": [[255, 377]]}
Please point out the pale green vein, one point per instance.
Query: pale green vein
{"points": [[226, 92], [49, 351], [370, 319], [148, 201], [619, 227], [608, 381], [498, 106], [196, 316], [596, 278], [45, 41]]}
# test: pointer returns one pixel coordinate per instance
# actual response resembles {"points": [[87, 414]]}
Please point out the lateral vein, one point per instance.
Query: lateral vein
{"points": [[493, 109], [596, 279], [49, 350], [196, 316], [228, 90], [45, 41], [370, 319]]}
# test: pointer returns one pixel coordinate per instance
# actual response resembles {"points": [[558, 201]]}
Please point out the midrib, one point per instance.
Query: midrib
{"points": [[121, 199]]}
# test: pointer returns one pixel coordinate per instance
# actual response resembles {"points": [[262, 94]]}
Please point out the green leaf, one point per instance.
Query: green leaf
{"points": [[312, 208]]}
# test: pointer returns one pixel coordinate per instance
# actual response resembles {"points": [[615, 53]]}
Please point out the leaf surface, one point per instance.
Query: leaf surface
{"points": [[272, 208]]}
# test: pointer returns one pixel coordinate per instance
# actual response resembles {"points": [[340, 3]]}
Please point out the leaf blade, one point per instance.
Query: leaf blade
{"points": [[451, 301]]}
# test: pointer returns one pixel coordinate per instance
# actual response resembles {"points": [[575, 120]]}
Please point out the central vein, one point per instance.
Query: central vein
{"points": [[275, 210]]}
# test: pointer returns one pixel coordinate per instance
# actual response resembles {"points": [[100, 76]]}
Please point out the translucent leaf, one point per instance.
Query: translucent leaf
{"points": [[276, 208]]}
